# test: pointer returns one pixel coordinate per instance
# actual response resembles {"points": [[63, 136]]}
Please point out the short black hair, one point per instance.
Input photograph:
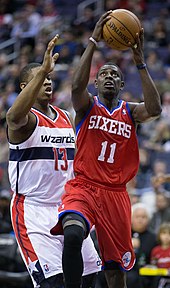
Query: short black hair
{"points": [[111, 64], [25, 72]]}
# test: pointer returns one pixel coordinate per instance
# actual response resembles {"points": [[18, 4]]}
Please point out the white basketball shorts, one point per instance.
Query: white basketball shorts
{"points": [[41, 251]]}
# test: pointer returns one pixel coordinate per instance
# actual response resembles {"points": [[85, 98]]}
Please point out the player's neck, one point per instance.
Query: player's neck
{"points": [[109, 103]]}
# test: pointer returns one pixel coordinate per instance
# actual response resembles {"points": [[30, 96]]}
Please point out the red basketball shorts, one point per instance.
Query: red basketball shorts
{"points": [[109, 209]]}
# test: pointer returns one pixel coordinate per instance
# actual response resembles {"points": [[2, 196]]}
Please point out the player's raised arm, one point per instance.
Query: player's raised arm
{"points": [[151, 108], [18, 115], [80, 95]]}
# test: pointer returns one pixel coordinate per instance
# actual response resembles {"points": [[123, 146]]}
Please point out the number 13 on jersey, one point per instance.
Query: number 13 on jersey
{"points": [[63, 155]]}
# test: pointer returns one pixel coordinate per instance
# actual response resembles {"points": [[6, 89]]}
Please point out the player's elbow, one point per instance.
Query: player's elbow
{"points": [[155, 113], [10, 116]]}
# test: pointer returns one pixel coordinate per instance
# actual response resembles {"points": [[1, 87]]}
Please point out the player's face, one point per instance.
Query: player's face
{"points": [[109, 80], [45, 92]]}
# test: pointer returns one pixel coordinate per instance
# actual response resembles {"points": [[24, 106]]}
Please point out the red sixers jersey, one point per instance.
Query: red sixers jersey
{"points": [[107, 147]]}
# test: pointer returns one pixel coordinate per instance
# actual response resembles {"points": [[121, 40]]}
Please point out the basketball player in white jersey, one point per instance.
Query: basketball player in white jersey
{"points": [[42, 143]]}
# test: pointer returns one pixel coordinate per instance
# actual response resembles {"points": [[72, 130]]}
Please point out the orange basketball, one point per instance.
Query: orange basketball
{"points": [[121, 29]]}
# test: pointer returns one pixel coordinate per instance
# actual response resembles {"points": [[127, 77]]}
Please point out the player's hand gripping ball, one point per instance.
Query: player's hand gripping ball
{"points": [[121, 29]]}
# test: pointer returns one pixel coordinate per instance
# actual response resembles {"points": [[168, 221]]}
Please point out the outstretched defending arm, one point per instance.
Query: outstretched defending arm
{"points": [[18, 115]]}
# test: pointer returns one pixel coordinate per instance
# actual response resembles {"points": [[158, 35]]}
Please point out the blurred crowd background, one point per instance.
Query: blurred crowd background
{"points": [[26, 26]]}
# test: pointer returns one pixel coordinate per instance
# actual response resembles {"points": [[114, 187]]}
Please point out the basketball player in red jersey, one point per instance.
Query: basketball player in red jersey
{"points": [[106, 159], [42, 145]]}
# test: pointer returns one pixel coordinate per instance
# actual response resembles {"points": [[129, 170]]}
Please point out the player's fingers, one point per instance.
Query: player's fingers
{"points": [[105, 17], [107, 13], [52, 43], [142, 31], [55, 56]]}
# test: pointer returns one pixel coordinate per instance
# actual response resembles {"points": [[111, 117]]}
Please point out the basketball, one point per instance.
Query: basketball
{"points": [[121, 29]]}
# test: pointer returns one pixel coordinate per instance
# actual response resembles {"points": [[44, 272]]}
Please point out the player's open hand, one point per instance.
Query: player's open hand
{"points": [[49, 59], [138, 48], [98, 30]]}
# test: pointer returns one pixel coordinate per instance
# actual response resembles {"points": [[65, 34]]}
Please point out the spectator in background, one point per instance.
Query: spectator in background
{"points": [[166, 105], [26, 25], [162, 213], [134, 194], [39, 51], [111, 5], [62, 97], [159, 36], [48, 11], [159, 139], [159, 167], [3, 69], [160, 179], [163, 85], [155, 65], [10, 93], [143, 242], [145, 170], [6, 22], [160, 255], [13, 75], [136, 6], [87, 21], [5, 218], [4, 152]]}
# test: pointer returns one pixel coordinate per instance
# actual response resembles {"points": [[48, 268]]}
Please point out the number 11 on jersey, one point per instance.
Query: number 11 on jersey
{"points": [[103, 152]]}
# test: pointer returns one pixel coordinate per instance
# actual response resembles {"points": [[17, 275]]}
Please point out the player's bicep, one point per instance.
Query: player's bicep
{"points": [[81, 101], [140, 114], [15, 124]]}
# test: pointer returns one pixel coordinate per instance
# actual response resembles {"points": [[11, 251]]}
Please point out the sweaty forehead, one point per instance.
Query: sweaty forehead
{"points": [[109, 67]]}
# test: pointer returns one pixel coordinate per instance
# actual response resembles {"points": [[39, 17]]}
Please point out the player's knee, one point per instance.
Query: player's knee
{"points": [[73, 235]]}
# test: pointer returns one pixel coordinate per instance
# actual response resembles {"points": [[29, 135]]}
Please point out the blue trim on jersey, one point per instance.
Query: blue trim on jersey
{"points": [[61, 214], [36, 153], [42, 113], [118, 106], [129, 112], [81, 122], [112, 261]]}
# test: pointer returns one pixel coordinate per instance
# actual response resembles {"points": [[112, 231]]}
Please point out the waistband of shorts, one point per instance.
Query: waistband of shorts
{"points": [[111, 187]]}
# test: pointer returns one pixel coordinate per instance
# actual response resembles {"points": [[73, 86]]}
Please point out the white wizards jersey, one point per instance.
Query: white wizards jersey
{"points": [[40, 166]]}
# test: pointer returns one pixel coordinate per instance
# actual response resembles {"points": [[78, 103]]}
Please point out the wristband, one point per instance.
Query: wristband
{"points": [[93, 40], [141, 66]]}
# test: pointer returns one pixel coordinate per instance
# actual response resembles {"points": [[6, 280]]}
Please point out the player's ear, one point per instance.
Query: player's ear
{"points": [[22, 85], [122, 85], [95, 83]]}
